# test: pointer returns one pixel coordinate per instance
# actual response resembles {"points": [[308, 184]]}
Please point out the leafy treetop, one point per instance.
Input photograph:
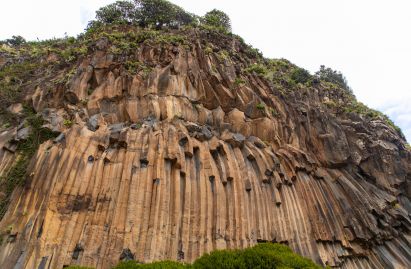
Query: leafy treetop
{"points": [[333, 76], [218, 19], [14, 41], [157, 13], [118, 12]]}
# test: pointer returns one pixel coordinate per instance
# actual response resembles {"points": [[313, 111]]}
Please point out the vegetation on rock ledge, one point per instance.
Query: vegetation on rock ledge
{"points": [[263, 256], [26, 148]]}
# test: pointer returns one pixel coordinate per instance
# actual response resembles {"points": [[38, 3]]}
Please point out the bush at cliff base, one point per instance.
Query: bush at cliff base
{"points": [[262, 256]]}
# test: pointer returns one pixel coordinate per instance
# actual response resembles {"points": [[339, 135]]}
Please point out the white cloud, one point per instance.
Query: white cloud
{"points": [[367, 40]]}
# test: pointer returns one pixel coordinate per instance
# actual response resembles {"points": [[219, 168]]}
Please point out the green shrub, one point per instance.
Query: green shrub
{"points": [[154, 265], [14, 41], [118, 12], [260, 106], [208, 50], [223, 55], [300, 75], [330, 75], [156, 13], [77, 267], [67, 123], [134, 67], [261, 256], [227, 259], [257, 68], [239, 81], [25, 151], [12, 81], [273, 112], [218, 19], [359, 108]]}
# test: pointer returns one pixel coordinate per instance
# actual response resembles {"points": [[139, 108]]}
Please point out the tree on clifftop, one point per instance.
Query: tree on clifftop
{"points": [[330, 75], [161, 12], [145, 13], [157, 14], [118, 12], [218, 19]]}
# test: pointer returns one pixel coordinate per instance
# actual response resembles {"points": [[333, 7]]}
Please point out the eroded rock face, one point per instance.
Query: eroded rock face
{"points": [[181, 161]]}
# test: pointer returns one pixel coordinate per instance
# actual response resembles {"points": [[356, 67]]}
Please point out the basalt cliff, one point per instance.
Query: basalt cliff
{"points": [[169, 144]]}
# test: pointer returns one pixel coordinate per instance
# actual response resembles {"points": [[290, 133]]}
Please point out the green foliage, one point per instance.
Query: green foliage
{"points": [[330, 103], [126, 42], [257, 68], [253, 53], [223, 55], [26, 150], [12, 80], [145, 13], [67, 123], [260, 106], [134, 67], [122, 12], [359, 108], [330, 75], [66, 78], [6, 125], [14, 41], [262, 256], [218, 19], [300, 75], [154, 265], [161, 12], [273, 112], [208, 50], [239, 81], [266, 255], [77, 267]]}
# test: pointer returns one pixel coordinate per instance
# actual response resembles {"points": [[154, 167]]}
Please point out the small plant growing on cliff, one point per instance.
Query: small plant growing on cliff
{"points": [[77, 267], [273, 112], [300, 75], [223, 55], [265, 255], [26, 149], [260, 106], [239, 81], [208, 50], [6, 125], [67, 123], [257, 68]]}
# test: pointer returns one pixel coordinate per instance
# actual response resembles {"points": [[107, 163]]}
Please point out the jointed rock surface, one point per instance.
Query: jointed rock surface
{"points": [[185, 158]]}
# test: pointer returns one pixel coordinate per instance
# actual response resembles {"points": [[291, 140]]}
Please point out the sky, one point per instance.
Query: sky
{"points": [[369, 41]]}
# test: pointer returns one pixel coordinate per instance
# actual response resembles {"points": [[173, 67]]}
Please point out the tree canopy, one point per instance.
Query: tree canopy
{"points": [[118, 12], [157, 13], [217, 18], [333, 76], [14, 41]]}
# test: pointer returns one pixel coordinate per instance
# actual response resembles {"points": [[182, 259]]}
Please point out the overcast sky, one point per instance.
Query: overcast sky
{"points": [[368, 40]]}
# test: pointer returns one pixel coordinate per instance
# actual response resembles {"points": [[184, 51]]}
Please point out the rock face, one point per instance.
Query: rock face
{"points": [[183, 160]]}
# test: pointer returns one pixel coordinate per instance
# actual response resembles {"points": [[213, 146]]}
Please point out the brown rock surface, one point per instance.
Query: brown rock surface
{"points": [[180, 161]]}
